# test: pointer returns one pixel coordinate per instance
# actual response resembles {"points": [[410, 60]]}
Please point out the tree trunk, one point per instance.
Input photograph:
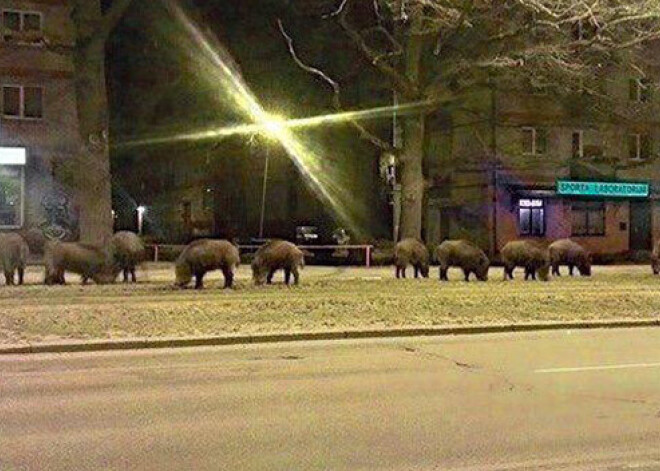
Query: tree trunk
{"points": [[93, 182], [412, 177]]}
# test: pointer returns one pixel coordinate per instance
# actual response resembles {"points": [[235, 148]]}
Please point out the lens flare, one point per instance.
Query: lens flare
{"points": [[274, 124], [211, 61]]}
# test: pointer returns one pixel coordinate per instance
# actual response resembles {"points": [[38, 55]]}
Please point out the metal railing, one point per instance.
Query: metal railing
{"points": [[368, 249]]}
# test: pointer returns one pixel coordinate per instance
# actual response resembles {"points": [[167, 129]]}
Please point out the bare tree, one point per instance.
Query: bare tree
{"points": [[437, 50], [93, 182]]}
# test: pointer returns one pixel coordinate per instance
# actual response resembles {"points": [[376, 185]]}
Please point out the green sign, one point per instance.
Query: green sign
{"points": [[612, 189]]}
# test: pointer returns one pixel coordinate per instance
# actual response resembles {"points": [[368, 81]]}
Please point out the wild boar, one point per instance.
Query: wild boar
{"points": [[411, 252], [89, 261], [277, 255], [128, 252], [529, 255], [14, 252], [465, 255], [204, 255], [567, 252]]}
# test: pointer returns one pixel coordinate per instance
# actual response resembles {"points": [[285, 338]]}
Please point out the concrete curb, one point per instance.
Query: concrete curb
{"points": [[181, 342]]}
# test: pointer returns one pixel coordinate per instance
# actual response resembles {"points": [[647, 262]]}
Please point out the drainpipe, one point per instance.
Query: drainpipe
{"points": [[493, 144]]}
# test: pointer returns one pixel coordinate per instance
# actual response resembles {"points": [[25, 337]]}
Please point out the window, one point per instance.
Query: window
{"points": [[22, 102], [639, 90], [588, 218], [639, 146], [12, 161], [577, 145], [21, 26], [534, 141], [531, 217]]}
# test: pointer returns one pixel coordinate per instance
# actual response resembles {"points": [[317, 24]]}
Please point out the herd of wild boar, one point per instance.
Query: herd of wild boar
{"points": [[126, 250], [535, 259]]}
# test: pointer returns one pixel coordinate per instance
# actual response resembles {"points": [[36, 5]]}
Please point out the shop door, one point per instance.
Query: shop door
{"points": [[640, 225]]}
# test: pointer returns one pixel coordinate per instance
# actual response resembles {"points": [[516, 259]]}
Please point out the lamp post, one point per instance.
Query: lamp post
{"points": [[140, 215], [264, 188]]}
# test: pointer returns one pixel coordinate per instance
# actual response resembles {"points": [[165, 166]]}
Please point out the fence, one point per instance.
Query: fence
{"points": [[158, 249]]}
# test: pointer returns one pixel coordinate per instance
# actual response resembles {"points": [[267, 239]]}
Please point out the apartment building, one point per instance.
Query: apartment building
{"points": [[38, 117], [541, 165]]}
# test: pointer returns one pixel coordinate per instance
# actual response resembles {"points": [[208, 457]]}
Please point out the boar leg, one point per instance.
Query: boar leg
{"points": [[555, 269], [125, 271], [443, 273], [199, 280], [403, 272], [133, 275], [9, 277], [296, 275], [21, 274], [416, 269], [466, 273], [269, 277], [570, 269], [287, 276], [229, 277], [398, 272], [527, 273]]}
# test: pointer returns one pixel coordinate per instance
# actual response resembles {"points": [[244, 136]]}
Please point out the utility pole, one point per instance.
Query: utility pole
{"points": [[396, 187], [264, 187]]}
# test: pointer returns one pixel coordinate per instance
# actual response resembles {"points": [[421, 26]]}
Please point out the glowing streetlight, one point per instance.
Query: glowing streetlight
{"points": [[274, 127], [140, 214]]}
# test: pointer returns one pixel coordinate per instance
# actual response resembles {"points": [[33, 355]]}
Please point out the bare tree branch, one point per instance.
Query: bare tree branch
{"points": [[364, 133]]}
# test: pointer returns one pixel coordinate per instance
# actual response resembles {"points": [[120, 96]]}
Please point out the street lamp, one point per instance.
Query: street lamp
{"points": [[273, 126], [140, 214]]}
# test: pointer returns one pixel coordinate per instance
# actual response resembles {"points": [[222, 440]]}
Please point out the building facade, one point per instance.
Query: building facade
{"points": [[538, 165], [38, 118]]}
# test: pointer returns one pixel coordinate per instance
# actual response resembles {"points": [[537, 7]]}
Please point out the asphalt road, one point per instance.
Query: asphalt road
{"points": [[560, 400]]}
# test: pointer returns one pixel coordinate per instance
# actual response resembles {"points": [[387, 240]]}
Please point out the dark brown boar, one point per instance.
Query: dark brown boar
{"points": [[14, 252], [572, 254], [128, 252], [277, 255], [204, 255], [89, 261], [533, 257], [411, 252], [465, 255]]}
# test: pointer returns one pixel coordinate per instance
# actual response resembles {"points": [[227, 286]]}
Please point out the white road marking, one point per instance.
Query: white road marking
{"points": [[598, 368]]}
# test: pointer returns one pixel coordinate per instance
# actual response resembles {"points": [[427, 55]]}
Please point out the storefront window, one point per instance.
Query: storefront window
{"points": [[588, 218], [531, 217], [11, 195]]}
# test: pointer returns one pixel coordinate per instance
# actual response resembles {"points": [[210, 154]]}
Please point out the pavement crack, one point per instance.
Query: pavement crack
{"points": [[457, 363]]}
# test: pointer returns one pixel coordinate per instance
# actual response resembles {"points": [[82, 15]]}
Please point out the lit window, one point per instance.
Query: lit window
{"points": [[588, 218], [11, 187], [531, 217], [534, 141], [22, 102], [639, 146]]}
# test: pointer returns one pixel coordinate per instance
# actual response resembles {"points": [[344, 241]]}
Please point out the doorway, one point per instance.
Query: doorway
{"points": [[640, 225]]}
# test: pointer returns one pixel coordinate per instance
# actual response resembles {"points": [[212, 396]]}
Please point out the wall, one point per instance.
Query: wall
{"points": [[53, 141]]}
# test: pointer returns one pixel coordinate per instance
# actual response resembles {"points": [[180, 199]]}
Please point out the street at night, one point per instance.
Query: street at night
{"points": [[562, 400]]}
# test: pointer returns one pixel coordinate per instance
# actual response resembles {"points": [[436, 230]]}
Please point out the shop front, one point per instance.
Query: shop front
{"points": [[614, 218]]}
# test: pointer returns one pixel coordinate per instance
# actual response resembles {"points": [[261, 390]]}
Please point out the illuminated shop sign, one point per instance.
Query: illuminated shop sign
{"points": [[12, 156], [611, 189]]}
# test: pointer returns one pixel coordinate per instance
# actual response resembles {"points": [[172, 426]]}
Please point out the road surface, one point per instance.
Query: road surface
{"points": [[560, 400]]}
